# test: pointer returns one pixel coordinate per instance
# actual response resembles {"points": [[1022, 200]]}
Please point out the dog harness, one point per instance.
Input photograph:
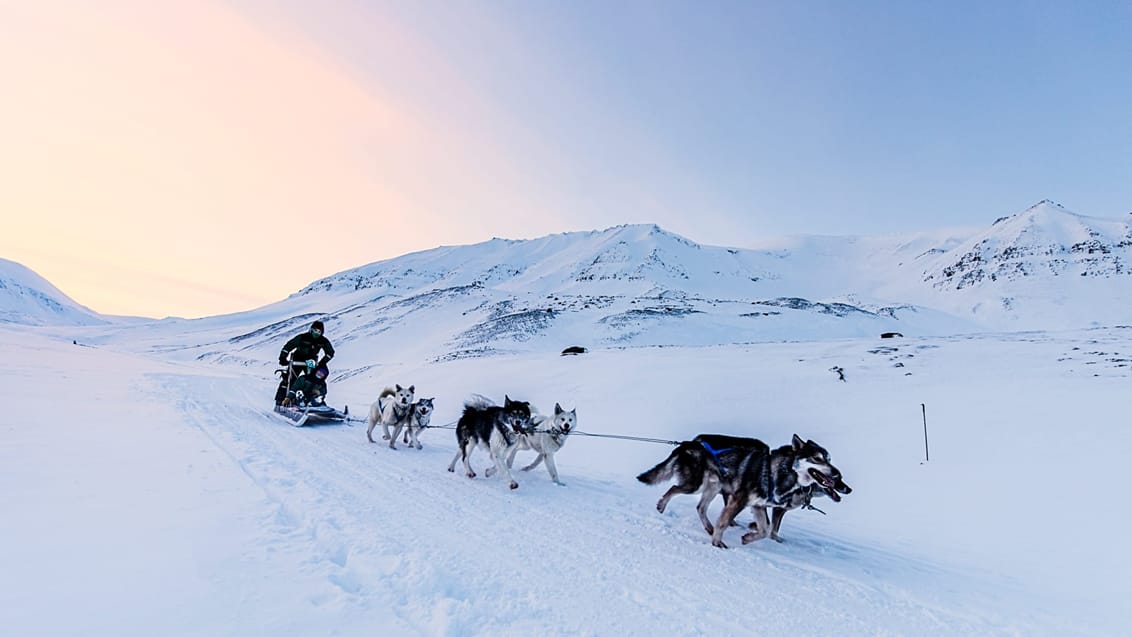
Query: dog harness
{"points": [[399, 412], [715, 453], [556, 435]]}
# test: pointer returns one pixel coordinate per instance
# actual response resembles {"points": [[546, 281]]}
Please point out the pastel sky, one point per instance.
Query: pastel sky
{"points": [[202, 157]]}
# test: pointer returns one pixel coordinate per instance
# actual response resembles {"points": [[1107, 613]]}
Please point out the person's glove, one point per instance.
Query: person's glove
{"points": [[282, 359], [310, 364]]}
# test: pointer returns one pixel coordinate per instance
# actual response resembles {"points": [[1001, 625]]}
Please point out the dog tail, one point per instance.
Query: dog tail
{"points": [[662, 471], [386, 393], [479, 401]]}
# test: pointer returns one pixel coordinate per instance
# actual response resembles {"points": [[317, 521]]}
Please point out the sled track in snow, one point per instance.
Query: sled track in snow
{"points": [[395, 529]]}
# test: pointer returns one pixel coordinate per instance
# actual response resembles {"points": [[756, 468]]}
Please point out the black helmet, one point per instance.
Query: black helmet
{"points": [[317, 325]]}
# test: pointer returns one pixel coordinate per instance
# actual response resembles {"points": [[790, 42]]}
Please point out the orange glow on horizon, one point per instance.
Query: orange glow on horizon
{"points": [[174, 158]]}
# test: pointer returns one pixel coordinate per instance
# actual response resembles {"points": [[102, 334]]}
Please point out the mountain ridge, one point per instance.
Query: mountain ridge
{"points": [[641, 285]]}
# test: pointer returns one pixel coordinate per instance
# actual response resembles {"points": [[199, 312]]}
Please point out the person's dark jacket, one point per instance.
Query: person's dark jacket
{"points": [[306, 347], [311, 386]]}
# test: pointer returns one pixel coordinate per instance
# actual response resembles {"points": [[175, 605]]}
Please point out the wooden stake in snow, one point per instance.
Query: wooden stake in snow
{"points": [[924, 410]]}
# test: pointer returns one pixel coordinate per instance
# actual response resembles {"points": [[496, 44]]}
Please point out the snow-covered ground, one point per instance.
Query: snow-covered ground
{"points": [[146, 495]]}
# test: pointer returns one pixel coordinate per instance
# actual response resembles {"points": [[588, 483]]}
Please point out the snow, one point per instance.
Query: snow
{"points": [[146, 492], [146, 487]]}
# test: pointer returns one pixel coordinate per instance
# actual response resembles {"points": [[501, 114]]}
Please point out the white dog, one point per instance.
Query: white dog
{"points": [[548, 437], [390, 408]]}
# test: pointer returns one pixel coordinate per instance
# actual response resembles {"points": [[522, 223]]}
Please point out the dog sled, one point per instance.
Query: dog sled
{"points": [[293, 406], [312, 414]]}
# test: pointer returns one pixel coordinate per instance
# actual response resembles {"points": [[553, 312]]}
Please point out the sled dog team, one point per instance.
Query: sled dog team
{"points": [[501, 431], [745, 471]]}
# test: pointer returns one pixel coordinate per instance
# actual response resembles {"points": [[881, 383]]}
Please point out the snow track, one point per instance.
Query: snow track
{"points": [[393, 537]]}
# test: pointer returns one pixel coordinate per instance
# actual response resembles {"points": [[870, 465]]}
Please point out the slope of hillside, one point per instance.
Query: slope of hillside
{"points": [[28, 299]]}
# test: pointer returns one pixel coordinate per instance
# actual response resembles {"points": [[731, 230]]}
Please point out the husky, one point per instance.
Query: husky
{"points": [[801, 498], [390, 408], [492, 427], [747, 473], [420, 415], [547, 436], [771, 480], [694, 461]]}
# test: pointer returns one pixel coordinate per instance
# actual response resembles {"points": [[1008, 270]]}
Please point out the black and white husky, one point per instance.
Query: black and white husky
{"points": [[547, 436], [747, 473], [492, 427], [420, 415], [802, 498], [390, 408]]}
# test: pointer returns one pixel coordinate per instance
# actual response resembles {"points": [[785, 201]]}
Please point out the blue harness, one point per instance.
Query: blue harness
{"points": [[715, 456]]}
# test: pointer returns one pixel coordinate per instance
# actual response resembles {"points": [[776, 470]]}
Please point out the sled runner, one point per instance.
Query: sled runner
{"points": [[313, 414]]}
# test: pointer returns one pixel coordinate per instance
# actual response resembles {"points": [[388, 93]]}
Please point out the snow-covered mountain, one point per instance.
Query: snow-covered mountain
{"points": [[639, 285], [627, 286], [1043, 267], [28, 299], [1044, 239]]}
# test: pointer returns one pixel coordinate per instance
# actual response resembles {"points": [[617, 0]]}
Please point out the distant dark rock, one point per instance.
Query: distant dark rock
{"points": [[892, 335], [574, 349], [795, 303]]}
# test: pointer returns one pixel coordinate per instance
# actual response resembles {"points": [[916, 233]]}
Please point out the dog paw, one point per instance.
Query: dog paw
{"points": [[385, 437], [418, 446], [561, 484], [718, 544], [752, 537], [776, 539], [471, 474]]}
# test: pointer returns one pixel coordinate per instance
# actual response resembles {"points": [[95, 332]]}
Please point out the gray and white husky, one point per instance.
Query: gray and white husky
{"points": [[492, 427], [747, 473], [420, 415], [390, 408], [547, 436]]}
